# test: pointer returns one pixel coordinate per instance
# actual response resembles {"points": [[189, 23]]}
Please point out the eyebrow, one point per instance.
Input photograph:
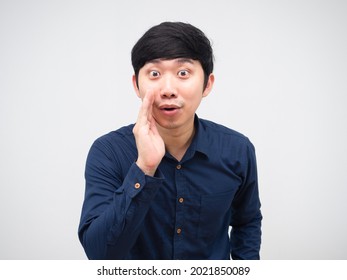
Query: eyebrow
{"points": [[184, 60], [177, 60]]}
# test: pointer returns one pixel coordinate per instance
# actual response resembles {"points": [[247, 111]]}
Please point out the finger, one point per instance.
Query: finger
{"points": [[153, 125], [150, 101], [145, 113]]}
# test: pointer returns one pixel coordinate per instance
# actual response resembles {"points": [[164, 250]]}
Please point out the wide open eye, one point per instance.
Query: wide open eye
{"points": [[154, 74], [183, 73]]}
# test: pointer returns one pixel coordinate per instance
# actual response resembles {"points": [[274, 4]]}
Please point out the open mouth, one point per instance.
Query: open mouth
{"points": [[169, 109]]}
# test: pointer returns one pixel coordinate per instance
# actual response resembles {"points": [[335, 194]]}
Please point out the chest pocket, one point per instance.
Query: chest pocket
{"points": [[215, 212]]}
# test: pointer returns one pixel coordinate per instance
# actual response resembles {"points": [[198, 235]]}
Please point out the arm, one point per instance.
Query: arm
{"points": [[245, 236], [114, 208]]}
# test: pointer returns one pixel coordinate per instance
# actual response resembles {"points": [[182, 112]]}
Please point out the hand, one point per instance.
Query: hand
{"points": [[150, 145]]}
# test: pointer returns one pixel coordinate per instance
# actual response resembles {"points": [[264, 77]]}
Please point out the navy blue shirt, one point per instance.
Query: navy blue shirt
{"points": [[204, 207]]}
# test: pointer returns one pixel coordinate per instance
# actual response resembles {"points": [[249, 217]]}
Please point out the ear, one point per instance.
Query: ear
{"points": [[209, 85], [135, 86]]}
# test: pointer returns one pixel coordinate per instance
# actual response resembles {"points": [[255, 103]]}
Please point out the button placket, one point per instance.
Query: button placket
{"points": [[179, 223]]}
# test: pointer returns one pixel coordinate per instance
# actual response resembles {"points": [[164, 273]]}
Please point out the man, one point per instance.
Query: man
{"points": [[172, 185]]}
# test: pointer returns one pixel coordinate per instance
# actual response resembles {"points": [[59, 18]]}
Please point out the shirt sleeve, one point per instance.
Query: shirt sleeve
{"points": [[114, 208], [245, 236]]}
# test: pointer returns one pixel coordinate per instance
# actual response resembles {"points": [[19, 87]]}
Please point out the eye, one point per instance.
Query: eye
{"points": [[183, 73], [154, 74]]}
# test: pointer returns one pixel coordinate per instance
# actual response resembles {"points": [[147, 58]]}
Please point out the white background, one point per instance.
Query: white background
{"points": [[65, 79]]}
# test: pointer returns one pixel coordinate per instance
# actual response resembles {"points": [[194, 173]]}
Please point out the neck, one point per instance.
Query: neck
{"points": [[177, 140]]}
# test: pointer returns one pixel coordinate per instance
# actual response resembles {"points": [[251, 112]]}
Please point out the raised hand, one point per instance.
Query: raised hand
{"points": [[149, 143]]}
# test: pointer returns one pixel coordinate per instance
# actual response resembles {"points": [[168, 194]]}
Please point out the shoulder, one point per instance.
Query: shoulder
{"points": [[223, 144], [125, 132], [216, 130], [116, 142]]}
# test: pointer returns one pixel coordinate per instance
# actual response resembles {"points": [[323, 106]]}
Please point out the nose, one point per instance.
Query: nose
{"points": [[168, 88]]}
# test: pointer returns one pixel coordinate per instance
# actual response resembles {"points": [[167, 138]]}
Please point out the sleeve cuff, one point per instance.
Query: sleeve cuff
{"points": [[136, 183]]}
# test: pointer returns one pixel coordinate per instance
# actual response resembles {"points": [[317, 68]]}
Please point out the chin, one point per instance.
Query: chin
{"points": [[168, 124]]}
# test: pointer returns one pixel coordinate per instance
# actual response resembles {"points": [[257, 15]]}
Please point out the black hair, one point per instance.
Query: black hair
{"points": [[170, 40]]}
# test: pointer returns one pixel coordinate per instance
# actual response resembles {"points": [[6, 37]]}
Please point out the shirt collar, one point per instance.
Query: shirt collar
{"points": [[201, 141], [201, 138]]}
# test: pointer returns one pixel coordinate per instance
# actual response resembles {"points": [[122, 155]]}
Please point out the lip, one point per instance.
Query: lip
{"points": [[168, 106], [169, 109]]}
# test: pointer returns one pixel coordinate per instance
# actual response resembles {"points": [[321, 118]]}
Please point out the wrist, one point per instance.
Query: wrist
{"points": [[148, 170]]}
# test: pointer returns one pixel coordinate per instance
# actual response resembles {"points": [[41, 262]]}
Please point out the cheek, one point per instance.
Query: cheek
{"points": [[144, 86], [192, 102], [194, 85], [192, 91]]}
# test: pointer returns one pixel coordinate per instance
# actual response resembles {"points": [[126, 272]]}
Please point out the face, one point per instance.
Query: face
{"points": [[178, 86]]}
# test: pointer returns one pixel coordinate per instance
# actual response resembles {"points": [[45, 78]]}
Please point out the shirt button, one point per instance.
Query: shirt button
{"points": [[137, 185], [179, 231], [180, 200], [178, 166]]}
